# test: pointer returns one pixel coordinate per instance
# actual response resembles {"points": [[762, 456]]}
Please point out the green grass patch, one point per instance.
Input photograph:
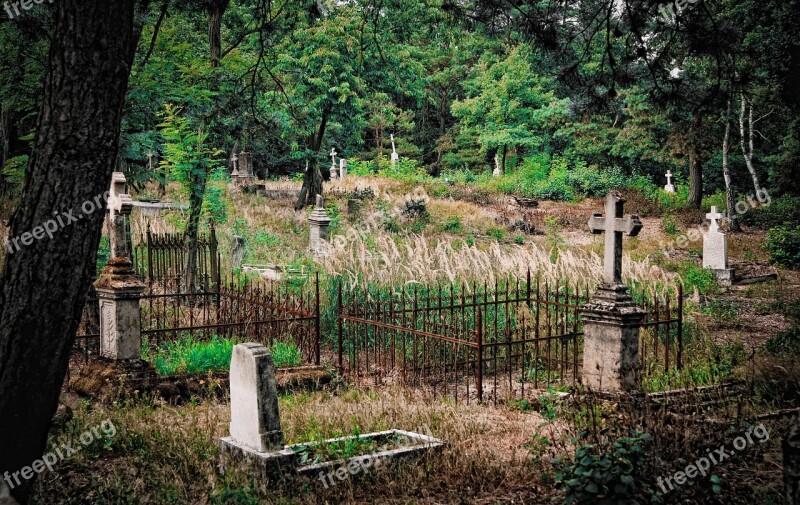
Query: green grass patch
{"points": [[189, 355]]}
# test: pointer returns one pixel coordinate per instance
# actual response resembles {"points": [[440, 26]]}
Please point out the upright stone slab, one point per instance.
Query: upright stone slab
{"points": [[256, 439], [715, 250], [611, 321], [318, 229], [342, 168], [255, 421]]}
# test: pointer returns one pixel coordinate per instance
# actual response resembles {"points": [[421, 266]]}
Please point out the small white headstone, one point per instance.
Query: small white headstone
{"points": [[342, 168], [715, 243], [670, 187]]}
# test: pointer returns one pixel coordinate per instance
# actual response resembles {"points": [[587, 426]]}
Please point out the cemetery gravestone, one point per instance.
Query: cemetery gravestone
{"points": [[611, 320], [342, 168], [256, 439], [670, 187], [715, 249], [319, 223], [118, 288], [334, 168]]}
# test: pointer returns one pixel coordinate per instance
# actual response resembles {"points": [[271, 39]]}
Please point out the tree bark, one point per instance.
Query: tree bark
{"points": [[726, 171], [503, 160], [312, 179], [695, 179], [189, 278], [216, 10], [44, 283], [746, 139]]}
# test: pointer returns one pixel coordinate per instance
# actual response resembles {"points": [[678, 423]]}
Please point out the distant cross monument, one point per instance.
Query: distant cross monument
{"points": [[235, 162], [334, 168], [395, 156], [611, 321], [119, 207], [670, 187], [150, 157]]}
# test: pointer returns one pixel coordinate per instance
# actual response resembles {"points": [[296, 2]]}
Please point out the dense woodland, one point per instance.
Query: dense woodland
{"points": [[547, 101]]}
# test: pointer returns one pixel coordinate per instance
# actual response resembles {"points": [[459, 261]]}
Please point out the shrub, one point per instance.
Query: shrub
{"points": [[605, 473], [780, 210], [669, 224], [415, 209], [785, 342], [452, 225], [695, 276], [783, 245]]}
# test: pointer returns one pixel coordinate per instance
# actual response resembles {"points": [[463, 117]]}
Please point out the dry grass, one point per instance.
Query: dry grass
{"points": [[383, 260], [168, 455]]}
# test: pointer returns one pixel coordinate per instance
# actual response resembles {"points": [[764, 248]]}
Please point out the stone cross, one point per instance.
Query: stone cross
{"points": [[713, 216], [150, 157], [235, 161], [255, 420], [333, 155], [715, 250], [614, 224], [119, 206], [334, 168], [670, 187]]}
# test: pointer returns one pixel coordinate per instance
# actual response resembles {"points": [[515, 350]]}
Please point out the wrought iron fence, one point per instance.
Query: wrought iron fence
{"points": [[163, 255], [238, 308], [473, 341]]}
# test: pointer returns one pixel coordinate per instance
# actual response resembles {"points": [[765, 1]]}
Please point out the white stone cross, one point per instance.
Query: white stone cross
{"points": [[392, 137], [119, 206], [713, 216], [235, 161], [670, 187], [333, 156], [614, 224]]}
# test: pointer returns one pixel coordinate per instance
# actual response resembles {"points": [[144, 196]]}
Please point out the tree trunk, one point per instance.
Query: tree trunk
{"points": [[189, 278], [44, 283], [726, 171], [695, 179], [746, 133], [216, 10], [503, 160], [312, 179]]}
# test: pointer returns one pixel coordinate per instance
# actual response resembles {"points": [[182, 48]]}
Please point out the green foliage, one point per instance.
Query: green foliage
{"points": [[415, 209], [452, 225], [14, 171], [780, 211], [189, 355], [606, 473], [215, 203], [669, 224], [783, 245], [496, 233], [553, 238], [786, 342], [695, 276]]}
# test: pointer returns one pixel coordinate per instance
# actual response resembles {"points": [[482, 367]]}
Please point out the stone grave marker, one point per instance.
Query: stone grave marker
{"points": [[715, 249], [395, 157], [611, 320], [119, 207], [319, 223], [342, 168], [670, 187], [334, 168], [255, 437]]}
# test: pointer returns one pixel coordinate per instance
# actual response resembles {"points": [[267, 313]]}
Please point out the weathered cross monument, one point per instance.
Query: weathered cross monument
{"points": [[670, 187], [334, 168], [118, 288], [611, 321]]}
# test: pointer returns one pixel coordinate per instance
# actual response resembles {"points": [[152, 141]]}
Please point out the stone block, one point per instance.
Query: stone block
{"points": [[715, 250], [255, 420]]}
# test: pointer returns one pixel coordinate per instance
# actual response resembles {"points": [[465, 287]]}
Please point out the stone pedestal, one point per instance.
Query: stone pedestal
{"points": [[318, 227], [669, 188], [119, 290], [611, 323], [256, 439]]}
